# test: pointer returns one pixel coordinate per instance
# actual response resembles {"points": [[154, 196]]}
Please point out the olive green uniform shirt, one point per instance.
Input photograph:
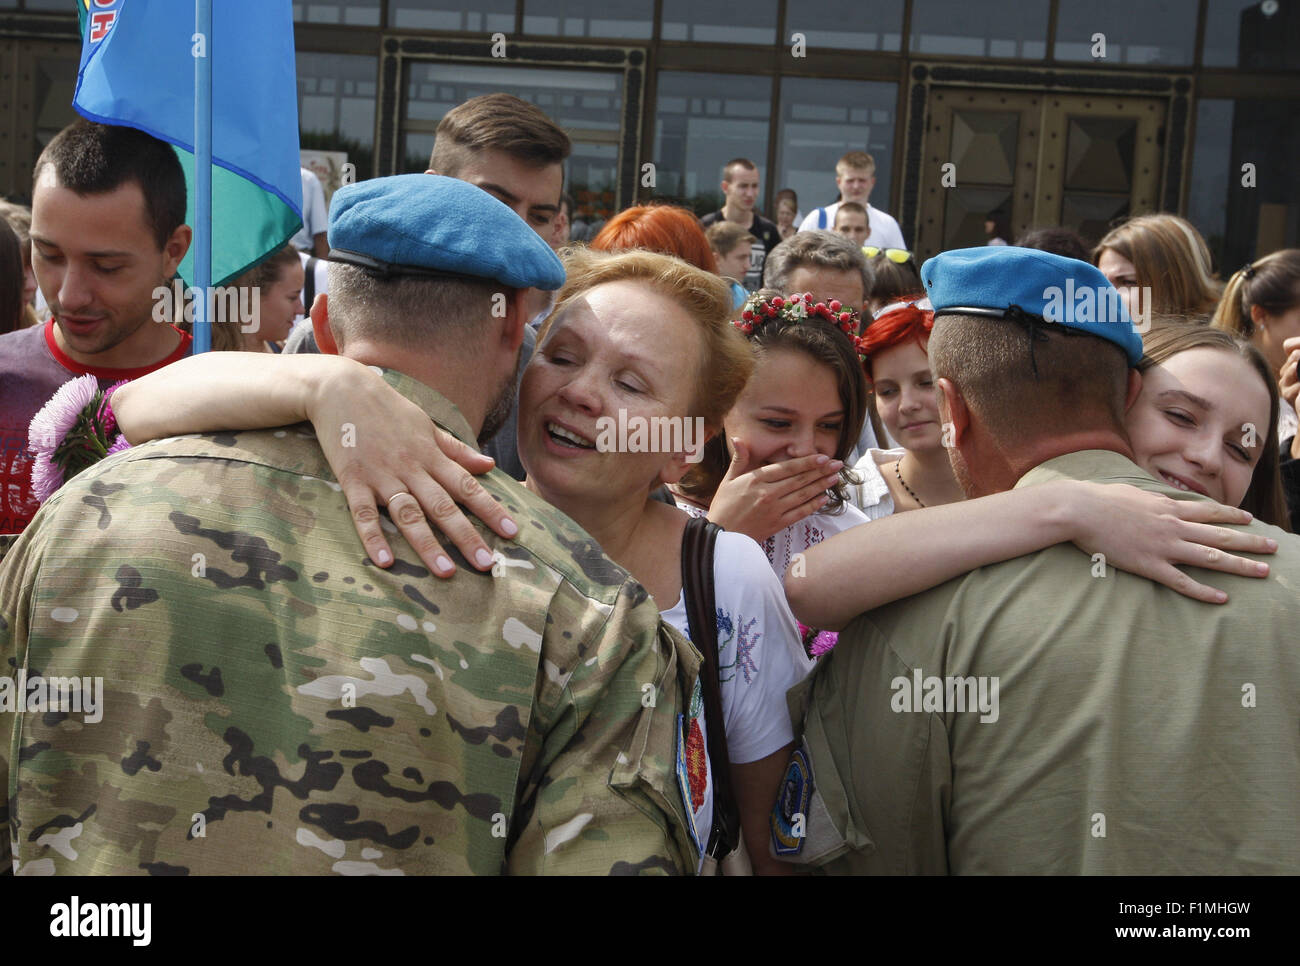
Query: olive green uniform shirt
{"points": [[274, 703], [1136, 731]]}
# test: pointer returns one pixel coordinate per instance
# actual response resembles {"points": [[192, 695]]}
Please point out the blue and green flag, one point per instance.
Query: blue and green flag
{"points": [[137, 70]]}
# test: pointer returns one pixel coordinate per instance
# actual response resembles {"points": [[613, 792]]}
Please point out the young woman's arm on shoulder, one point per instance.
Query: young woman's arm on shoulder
{"points": [[392, 446], [1145, 533]]}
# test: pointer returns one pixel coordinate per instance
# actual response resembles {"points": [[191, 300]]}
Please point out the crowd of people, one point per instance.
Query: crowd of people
{"points": [[949, 580]]}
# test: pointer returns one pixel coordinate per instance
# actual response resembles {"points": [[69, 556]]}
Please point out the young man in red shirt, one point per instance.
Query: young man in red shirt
{"points": [[108, 213]]}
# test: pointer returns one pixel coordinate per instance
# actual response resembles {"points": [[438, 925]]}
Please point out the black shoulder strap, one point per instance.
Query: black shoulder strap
{"points": [[701, 614], [309, 286]]}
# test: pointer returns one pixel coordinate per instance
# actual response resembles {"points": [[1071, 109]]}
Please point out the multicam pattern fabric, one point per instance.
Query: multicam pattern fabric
{"points": [[273, 703]]}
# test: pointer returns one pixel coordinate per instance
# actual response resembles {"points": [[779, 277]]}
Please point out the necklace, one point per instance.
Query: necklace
{"points": [[899, 474]]}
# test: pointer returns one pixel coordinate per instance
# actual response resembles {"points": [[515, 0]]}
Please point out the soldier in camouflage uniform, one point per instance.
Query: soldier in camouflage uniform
{"points": [[274, 703]]}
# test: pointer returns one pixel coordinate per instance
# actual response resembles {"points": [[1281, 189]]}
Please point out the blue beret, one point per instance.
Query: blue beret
{"points": [[1008, 282], [429, 225]]}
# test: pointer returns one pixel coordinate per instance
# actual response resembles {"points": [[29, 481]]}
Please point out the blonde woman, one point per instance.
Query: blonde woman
{"points": [[1162, 255]]}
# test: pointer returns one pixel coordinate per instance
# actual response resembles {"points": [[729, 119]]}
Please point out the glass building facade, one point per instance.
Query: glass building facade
{"points": [[1075, 112]]}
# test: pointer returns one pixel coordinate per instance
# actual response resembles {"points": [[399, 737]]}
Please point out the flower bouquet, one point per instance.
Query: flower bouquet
{"points": [[74, 430]]}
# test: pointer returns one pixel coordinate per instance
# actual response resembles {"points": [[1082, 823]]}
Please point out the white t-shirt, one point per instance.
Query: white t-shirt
{"points": [[781, 547], [760, 657], [885, 232], [315, 217], [872, 495]]}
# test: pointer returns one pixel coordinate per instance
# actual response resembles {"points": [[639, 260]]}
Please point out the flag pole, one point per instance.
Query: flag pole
{"points": [[202, 175]]}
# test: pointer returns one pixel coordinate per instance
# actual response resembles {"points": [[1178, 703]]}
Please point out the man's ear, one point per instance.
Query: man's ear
{"points": [[320, 325], [520, 307], [953, 411], [174, 251], [1134, 389]]}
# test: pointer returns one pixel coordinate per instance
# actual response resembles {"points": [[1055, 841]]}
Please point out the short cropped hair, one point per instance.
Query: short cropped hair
{"points": [[725, 362], [856, 161], [1072, 381], [499, 122], [814, 249], [94, 159], [724, 236], [729, 169], [408, 312], [852, 207]]}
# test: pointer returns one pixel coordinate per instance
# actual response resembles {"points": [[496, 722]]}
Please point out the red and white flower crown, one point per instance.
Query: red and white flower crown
{"points": [[798, 309]]}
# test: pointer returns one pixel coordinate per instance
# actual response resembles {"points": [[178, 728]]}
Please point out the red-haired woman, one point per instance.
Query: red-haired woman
{"points": [[917, 474], [666, 229]]}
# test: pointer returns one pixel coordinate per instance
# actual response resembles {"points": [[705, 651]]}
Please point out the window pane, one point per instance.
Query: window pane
{"points": [[702, 122], [1244, 221], [1207, 197], [980, 28], [587, 104], [846, 24], [1133, 31], [1248, 33], [624, 19], [486, 15], [820, 121], [359, 13], [415, 154], [336, 105], [716, 21]]}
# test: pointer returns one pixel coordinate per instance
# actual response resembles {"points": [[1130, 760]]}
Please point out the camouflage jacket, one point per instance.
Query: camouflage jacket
{"points": [[271, 702]]}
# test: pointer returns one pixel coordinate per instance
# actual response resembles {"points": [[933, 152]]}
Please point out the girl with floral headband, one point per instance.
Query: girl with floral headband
{"points": [[802, 411]]}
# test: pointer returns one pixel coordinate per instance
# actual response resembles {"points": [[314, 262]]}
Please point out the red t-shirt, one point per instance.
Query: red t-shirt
{"points": [[32, 368]]}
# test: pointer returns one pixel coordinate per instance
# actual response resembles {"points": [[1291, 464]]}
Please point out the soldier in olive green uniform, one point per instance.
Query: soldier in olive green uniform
{"points": [[274, 703], [1041, 716]]}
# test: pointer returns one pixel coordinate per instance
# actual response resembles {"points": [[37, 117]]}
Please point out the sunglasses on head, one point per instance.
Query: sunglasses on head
{"points": [[898, 256]]}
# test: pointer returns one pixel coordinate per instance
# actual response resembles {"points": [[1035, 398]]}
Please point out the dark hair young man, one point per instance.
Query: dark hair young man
{"points": [[108, 212]]}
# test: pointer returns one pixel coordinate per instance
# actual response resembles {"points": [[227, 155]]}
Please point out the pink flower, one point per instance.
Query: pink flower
{"points": [[817, 642], [71, 432], [823, 642], [60, 414], [46, 477], [106, 416]]}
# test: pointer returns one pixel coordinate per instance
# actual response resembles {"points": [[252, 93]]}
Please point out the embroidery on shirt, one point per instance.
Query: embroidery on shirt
{"points": [[726, 631], [749, 638]]}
